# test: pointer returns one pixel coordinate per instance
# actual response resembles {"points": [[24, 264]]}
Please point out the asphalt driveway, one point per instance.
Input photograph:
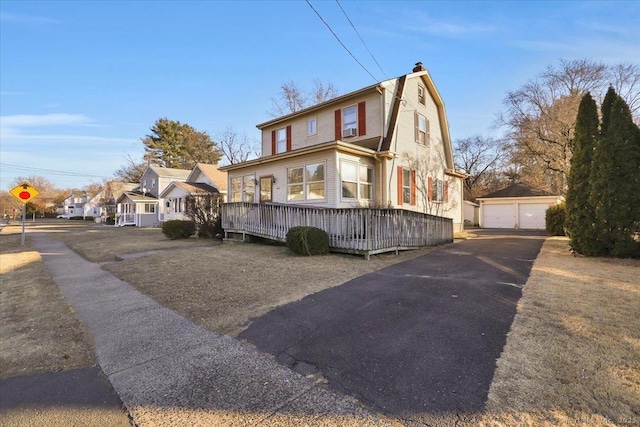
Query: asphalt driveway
{"points": [[417, 338]]}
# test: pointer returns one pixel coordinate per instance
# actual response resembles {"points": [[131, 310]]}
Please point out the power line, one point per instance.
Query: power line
{"points": [[360, 37], [352, 55], [340, 41], [48, 171]]}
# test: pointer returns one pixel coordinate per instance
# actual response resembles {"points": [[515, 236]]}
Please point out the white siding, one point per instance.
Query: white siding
{"points": [[279, 171], [325, 122]]}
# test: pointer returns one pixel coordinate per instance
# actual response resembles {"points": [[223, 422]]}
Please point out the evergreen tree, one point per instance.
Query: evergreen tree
{"points": [[580, 220], [615, 180], [176, 145], [607, 103]]}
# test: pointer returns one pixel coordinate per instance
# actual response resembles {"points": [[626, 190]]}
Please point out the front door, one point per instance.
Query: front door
{"points": [[266, 183]]}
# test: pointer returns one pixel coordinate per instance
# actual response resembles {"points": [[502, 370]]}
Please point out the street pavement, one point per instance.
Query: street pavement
{"points": [[414, 339]]}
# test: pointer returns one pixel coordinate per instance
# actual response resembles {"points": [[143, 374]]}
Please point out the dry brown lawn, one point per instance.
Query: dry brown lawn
{"points": [[39, 331], [101, 243], [222, 287], [573, 353]]}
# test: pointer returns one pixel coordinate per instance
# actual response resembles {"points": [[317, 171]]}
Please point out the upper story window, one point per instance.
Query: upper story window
{"points": [[312, 126], [422, 129], [350, 118], [351, 121], [421, 95], [281, 140]]}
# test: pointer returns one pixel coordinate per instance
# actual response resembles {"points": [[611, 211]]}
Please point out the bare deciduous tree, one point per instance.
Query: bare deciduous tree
{"points": [[321, 92], [293, 98], [132, 171], [483, 160], [540, 116], [237, 148], [428, 167], [625, 79]]}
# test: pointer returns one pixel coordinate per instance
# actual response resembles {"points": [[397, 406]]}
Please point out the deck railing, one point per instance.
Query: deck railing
{"points": [[355, 230]]}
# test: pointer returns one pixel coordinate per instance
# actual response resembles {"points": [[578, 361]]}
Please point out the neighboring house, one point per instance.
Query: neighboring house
{"points": [[203, 179], [141, 207], [74, 204], [93, 206], [517, 206], [386, 145], [471, 213]]}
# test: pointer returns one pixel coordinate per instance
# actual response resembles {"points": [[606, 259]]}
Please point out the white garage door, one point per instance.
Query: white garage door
{"points": [[499, 216], [531, 215]]}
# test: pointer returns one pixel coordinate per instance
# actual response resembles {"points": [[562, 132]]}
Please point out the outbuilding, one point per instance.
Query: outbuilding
{"points": [[517, 206]]}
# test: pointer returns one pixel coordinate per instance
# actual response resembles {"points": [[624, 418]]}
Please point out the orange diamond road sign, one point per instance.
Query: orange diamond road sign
{"points": [[24, 192]]}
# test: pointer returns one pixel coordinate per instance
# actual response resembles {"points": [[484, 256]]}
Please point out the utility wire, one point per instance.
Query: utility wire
{"points": [[340, 41], [48, 171], [353, 56], [360, 37]]}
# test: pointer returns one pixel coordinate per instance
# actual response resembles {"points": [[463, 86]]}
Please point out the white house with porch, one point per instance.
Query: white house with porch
{"points": [[384, 146], [141, 207]]}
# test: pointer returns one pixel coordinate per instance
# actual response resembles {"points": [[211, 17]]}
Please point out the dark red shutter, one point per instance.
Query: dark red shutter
{"points": [[273, 142], [430, 189], [413, 187], [362, 119], [289, 138], [416, 126], [400, 185], [446, 191], [338, 124]]}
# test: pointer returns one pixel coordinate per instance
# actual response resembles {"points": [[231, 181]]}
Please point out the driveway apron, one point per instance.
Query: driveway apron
{"points": [[169, 371], [416, 338]]}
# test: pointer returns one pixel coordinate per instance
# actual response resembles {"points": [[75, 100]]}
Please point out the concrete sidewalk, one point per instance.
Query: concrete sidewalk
{"points": [[169, 371]]}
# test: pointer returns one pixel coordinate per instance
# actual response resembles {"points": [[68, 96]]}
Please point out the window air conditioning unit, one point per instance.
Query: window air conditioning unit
{"points": [[346, 133]]}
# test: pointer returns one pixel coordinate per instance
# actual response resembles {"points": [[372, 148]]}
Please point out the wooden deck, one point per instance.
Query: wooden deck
{"points": [[362, 231]]}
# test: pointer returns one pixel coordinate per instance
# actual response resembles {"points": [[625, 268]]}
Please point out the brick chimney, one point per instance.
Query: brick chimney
{"points": [[418, 67]]}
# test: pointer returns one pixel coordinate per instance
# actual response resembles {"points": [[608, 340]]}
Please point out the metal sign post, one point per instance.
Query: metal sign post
{"points": [[24, 192]]}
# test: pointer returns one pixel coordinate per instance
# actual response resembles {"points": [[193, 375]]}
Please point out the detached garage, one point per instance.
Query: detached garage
{"points": [[517, 206]]}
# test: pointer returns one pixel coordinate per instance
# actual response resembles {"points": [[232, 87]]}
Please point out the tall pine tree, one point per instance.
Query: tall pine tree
{"points": [[615, 182], [607, 103], [580, 220]]}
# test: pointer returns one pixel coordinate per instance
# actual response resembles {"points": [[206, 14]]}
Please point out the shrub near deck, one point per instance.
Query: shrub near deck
{"points": [[308, 241]]}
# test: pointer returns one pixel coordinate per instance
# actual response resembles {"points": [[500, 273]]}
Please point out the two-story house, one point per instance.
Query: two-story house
{"points": [[385, 145], [141, 207]]}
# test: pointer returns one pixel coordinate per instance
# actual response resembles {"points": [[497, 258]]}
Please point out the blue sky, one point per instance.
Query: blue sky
{"points": [[82, 81]]}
